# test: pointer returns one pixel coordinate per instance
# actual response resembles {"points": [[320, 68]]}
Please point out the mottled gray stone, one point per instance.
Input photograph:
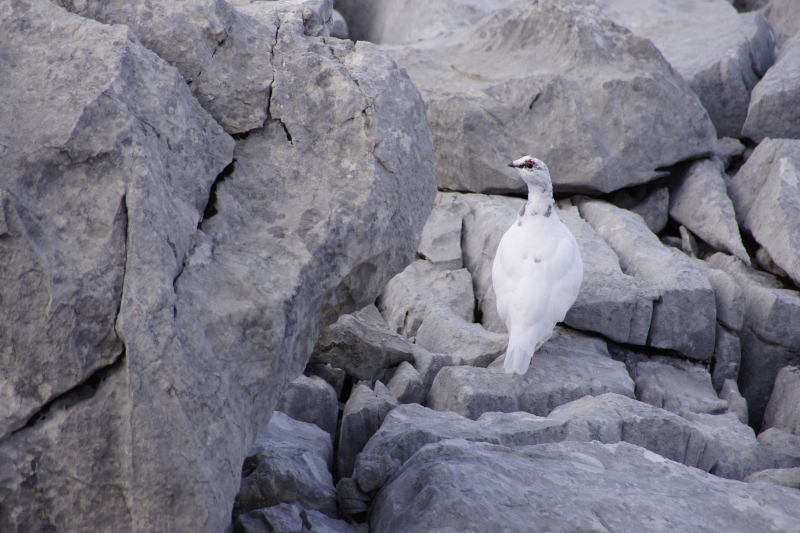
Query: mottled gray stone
{"points": [[786, 477], [699, 200], [569, 366], [729, 391], [290, 461], [468, 343], [225, 55], [783, 409], [770, 338], [352, 500], [654, 209], [729, 298], [689, 244], [720, 53], [373, 470], [440, 242], [609, 302], [781, 449], [676, 386], [684, 319], [471, 391], [289, 518], [428, 364], [213, 318], [764, 260], [579, 95], [766, 194], [312, 400], [729, 149], [570, 486], [784, 17], [738, 453], [363, 415], [727, 357], [406, 384], [421, 289], [775, 103], [339, 27], [361, 344]]}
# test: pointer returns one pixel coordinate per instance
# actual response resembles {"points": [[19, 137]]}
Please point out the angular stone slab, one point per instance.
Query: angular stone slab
{"points": [[684, 319], [786, 477], [440, 242], [406, 384], [727, 357], [471, 391], [720, 53], [363, 416], [361, 344], [783, 409], [654, 209], [784, 17], [579, 96], [312, 400], [677, 387], [290, 462], [571, 486], [770, 338], [444, 332], [766, 194], [700, 201], [774, 109]]}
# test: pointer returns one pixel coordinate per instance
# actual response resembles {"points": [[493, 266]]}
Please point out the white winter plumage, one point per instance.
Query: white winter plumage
{"points": [[537, 270]]}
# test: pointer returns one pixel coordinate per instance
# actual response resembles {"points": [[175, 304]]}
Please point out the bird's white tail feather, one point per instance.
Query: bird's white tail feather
{"points": [[521, 349]]}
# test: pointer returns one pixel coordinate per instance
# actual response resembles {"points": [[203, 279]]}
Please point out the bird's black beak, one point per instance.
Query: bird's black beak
{"points": [[512, 165]]}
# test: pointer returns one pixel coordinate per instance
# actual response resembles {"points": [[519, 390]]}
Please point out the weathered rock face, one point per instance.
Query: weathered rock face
{"points": [[720, 53], [552, 79], [783, 409], [770, 338], [766, 195], [677, 387], [774, 109], [290, 461], [363, 415], [321, 207], [568, 487], [684, 319], [700, 202], [783, 16], [225, 55], [312, 400]]}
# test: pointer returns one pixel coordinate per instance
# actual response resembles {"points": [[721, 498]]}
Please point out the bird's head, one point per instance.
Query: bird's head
{"points": [[533, 172]]}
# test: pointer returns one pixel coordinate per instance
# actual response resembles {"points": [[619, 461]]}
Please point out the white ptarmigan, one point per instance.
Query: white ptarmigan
{"points": [[537, 270]]}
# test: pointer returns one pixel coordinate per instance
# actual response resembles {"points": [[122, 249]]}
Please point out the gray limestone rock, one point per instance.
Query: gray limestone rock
{"points": [[443, 331], [213, 318], [770, 338], [783, 409], [654, 209], [471, 391], [736, 403], [689, 244], [728, 296], [440, 242], [569, 366], [609, 302], [729, 149], [720, 53], [579, 94], [699, 200], [372, 470], [361, 344], [339, 27], [684, 319], [774, 109], [786, 477], [363, 415], [677, 386], [290, 462], [429, 364], [738, 453], [312, 400], [766, 194], [764, 260], [570, 486], [289, 518], [611, 418], [225, 55], [422, 288], [727, 357], [781, 449], [406, 384], [352, 500], [784, 17]]}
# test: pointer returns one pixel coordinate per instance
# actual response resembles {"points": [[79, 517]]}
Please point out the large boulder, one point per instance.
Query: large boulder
{"points": [[223, 54], [770, 338], [570, 486], [784, 17], [774, 109], [560, 81], [720, 53], [220, 299], [311, 399], [766, 195], [684, 318]]}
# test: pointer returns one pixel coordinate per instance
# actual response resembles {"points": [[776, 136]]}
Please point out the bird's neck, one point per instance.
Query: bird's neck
{"points": [[539, 202]]}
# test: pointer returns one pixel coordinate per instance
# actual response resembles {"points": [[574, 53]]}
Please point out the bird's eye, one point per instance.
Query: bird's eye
{"points": [[528, 165]]}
